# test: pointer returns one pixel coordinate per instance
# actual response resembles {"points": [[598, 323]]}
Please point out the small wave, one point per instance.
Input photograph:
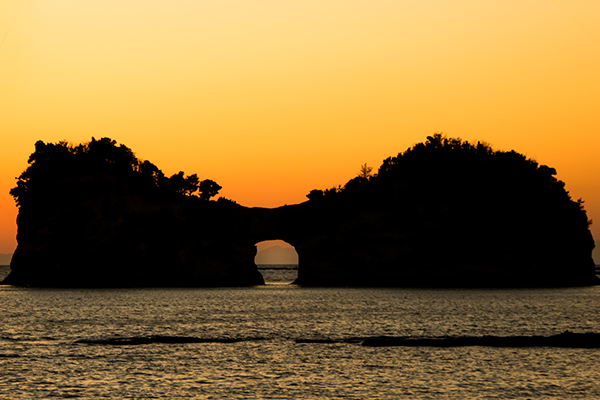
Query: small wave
{"points": [[566, 339], [162, 339], [26, 339], [331, 341], [10, 338]]}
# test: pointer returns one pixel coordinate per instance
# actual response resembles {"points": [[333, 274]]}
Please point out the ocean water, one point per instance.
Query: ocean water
{"points": [[281, 341], [278, 274]]}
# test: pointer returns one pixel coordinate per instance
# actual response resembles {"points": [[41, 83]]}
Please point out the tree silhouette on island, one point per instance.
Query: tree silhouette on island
{"points": [[443, 213], [51, 164]]}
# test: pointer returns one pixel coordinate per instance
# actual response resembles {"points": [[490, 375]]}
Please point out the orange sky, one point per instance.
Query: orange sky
{"points": [[274, 98]]}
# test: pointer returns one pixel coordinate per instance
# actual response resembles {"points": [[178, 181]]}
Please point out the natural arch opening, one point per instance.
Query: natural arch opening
{"points": [[277, 261]]}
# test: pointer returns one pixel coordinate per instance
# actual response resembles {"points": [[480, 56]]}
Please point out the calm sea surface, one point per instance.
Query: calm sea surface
{"points": [[103, 343]]}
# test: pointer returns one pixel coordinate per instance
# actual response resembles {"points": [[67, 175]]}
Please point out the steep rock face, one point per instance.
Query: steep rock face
{"points": [[446, 213], [144, 244], [443, 214], [92, 217]]}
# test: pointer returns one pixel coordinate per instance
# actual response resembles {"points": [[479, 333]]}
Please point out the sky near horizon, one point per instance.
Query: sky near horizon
{"points": [[272, 99]]}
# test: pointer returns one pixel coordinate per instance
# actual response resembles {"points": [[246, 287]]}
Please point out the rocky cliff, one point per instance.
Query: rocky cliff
{"points": [[94, 216], [447, 213], [444, 213]]}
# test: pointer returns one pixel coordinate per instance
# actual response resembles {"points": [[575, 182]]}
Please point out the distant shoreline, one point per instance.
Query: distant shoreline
{"points": [[5, 259], [277, 266]]}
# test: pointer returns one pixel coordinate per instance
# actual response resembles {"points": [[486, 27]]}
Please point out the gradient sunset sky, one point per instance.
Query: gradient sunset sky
{"points": [[274, 98]]}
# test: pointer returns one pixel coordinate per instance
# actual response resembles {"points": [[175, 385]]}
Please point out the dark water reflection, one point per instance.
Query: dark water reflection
{"points": [[43, 349]]}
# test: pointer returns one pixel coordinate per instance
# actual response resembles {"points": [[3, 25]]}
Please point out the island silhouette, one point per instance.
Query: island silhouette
{"points": [[443, 213]]}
